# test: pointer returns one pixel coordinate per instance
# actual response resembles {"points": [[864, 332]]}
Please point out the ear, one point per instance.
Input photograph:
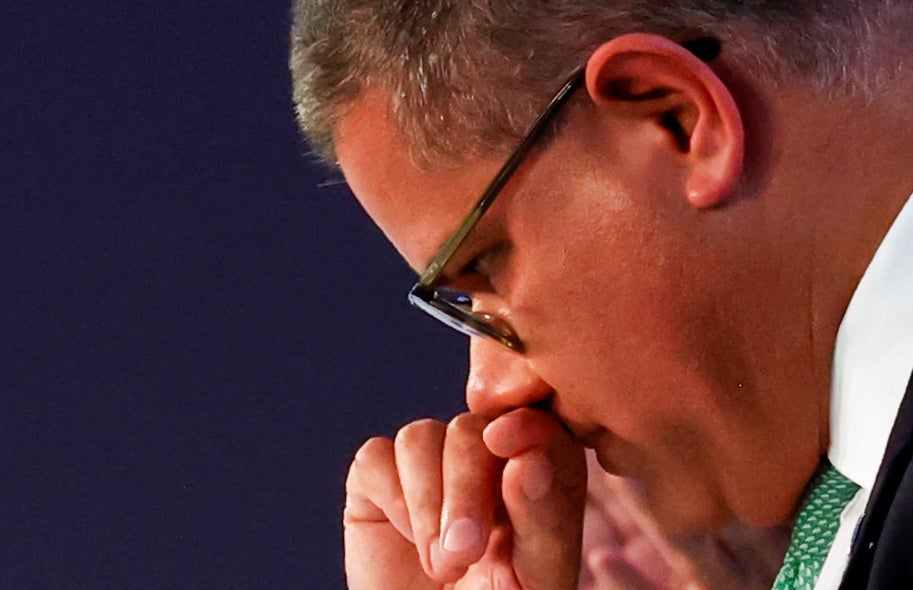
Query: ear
{"points": [[650, 77]]}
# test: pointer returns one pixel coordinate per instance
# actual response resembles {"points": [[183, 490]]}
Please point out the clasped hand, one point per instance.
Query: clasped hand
{"points": [[466, 505]]}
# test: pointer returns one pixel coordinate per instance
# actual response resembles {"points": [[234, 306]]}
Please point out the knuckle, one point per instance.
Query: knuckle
{"points": [[372, 450], [467, 422], [571, 487], [372, 455], [571, 468], [418, 434]]}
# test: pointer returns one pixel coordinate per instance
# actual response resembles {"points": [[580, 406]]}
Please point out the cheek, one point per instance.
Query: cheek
{"points": [[611, 323], [614, 349], [602, 292]]}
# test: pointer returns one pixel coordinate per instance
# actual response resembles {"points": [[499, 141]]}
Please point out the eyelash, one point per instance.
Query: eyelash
{"points": [[482, 268], [470, 278], [473, 267]]}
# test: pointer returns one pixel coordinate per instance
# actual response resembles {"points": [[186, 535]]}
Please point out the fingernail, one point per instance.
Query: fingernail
{"points": [[538, 479], [463, 534], [435, 554]]}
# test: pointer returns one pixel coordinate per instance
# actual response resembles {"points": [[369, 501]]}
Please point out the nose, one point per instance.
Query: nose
{"points": [[501, 380]]}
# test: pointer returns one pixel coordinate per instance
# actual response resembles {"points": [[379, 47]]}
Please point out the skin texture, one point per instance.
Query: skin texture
{"points": [[677, 286]]}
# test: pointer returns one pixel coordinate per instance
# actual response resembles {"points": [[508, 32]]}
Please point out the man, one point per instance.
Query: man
{"points": [[658, 272]]}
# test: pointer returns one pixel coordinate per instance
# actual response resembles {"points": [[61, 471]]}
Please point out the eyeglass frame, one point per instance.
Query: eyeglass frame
{"points": [[431, 299]]}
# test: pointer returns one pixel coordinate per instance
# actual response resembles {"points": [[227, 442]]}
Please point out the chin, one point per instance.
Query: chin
{"points": [[768, 503], [679, 514], [767, 512], [692, 522]]}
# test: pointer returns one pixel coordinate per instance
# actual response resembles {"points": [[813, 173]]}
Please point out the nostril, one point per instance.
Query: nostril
{"points": [[544, 404]]}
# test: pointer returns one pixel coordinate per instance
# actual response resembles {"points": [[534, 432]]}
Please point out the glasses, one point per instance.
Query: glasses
{"points": [[454, 307]]}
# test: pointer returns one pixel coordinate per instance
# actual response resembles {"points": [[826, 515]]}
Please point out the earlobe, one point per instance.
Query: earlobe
{"points": [[654, 78]]}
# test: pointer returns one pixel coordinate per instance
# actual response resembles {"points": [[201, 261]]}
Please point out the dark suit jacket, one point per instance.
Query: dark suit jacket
{"points": [[882, 552]]}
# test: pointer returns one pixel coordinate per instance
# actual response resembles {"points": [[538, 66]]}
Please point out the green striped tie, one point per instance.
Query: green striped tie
{"points": [[825, 498]]}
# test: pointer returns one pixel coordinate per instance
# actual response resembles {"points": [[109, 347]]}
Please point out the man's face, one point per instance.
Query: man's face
{"points": [[603, 272]]}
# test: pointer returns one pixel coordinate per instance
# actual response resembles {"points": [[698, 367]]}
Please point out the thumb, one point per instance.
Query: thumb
{"points": [[544, 491]]}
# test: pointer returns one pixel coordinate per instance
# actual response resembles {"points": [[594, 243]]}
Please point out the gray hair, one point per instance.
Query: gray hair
{"points": [[468, 76]]}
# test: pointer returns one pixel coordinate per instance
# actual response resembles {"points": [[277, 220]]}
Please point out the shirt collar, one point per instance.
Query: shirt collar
{"points": [[873, 356]]}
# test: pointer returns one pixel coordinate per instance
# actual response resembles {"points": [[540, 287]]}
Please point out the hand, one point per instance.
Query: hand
{"points": [[739, 556], [623, 548], [467, 505]]}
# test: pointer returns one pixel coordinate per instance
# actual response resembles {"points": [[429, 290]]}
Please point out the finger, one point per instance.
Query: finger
{"points": [[613, 496], [598, 529], [640, 541], [377, 528], [471, 478], [653, 562], [610, 568], [418, 448], [495, 569], [373, 492], [544, 488]]}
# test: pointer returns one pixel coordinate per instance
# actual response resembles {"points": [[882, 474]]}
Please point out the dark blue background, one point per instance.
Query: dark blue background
{"points": [[198, 324]]}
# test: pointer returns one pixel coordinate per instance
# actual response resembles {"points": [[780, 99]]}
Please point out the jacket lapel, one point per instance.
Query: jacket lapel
{"points": [[891, 477]]}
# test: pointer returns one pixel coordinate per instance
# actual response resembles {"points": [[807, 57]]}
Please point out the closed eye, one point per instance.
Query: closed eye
{"points": [[471, 278], [479, 273]]}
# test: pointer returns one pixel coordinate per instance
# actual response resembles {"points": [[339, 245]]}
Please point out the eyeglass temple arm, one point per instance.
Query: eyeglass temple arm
{"points": [[532, 135]]}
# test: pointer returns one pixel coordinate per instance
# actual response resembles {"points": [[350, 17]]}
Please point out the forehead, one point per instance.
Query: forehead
{"points": [[416, 207]]}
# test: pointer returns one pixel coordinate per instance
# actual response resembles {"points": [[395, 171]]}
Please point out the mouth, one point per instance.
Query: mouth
{"points": [[590, 438], [608, 464], [605, 444], [601, 441]]}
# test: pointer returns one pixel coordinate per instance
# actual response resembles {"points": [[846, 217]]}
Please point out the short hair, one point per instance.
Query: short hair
{"points": [[466, 77]]}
